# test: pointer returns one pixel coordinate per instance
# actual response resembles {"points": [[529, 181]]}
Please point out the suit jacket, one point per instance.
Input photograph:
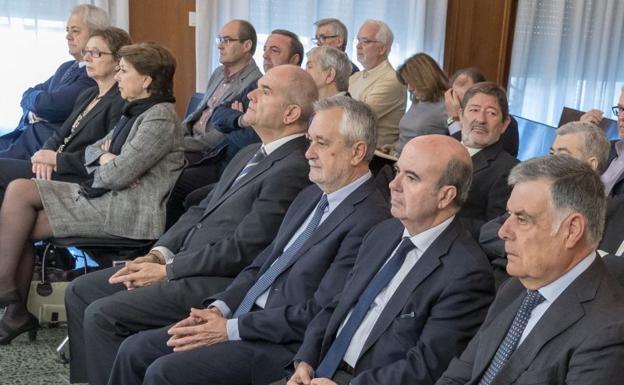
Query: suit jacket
{"points": [[489, 191], [618, 188], [151, 155], [314, 276], [381, 90], [430, 318], [212, 137], [613, 237], [93, 126], [579, 340], [233, 225], [51, 101]]}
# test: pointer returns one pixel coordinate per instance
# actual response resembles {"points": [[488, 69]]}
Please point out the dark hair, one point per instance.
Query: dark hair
{"points": [[114, 37], [246, 31], [488, 88], [459, 175], [472, 72], [296, 48], [155, 61], [424, 75]]}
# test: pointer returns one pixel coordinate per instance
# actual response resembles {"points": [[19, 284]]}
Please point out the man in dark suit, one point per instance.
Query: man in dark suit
{"points": [[560, 320], [420, 286], [210, 244], [48, 104], [485, 116], [333, 33], [251, 331]]}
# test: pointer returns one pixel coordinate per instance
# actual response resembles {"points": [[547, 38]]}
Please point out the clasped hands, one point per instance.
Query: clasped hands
{"points": [[43, 164], [304, 375], [141, 271], [203, 327]]}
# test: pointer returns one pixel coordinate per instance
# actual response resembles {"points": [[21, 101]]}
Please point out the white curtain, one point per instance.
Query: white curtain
{"points": [[32, 37], [418, 25], [566, 53]]}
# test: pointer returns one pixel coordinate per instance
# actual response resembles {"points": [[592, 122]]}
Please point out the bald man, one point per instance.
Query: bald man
{"points": [[210, 244], [420, 286]]}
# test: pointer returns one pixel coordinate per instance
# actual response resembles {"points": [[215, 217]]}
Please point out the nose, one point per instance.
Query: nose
{"points": [[265, 54], [395, 183], [310, 154], [504, 232]]}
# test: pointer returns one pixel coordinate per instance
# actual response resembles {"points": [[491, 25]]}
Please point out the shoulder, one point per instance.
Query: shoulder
{"points": [[161, 111], [464, 254]]}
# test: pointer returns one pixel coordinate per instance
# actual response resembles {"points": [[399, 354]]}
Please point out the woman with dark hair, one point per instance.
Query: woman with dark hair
{"points": [[96, 111], [132, 170], [426, 83]]}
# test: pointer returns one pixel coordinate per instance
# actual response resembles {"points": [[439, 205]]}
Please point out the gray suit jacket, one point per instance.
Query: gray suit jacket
{"points": [[579, 340], [226, 231], [212, 136], [152, 155]]}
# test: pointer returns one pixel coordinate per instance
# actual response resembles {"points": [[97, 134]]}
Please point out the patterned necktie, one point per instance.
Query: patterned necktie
{"points": [[510, 342], [253, 162], [270, 275], [338, 348]]}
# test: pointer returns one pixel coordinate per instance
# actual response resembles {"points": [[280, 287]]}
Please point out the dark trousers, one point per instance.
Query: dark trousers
{"points": [[22, 144], [341, 378], [100, 316], [145, 359]]}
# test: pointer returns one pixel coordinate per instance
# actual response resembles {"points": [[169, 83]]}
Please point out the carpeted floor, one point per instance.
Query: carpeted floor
{"points": [[34, 363]]}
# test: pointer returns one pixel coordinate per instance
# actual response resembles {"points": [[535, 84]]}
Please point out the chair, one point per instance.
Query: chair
{"points": [[608, 125], [193, 103]]}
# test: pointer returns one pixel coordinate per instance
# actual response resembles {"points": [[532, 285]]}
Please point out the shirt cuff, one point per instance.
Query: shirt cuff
{"points": [[232, 329], [223, 308], [166, 253]]}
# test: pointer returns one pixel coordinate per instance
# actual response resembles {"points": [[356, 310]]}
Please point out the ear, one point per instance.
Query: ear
{"points": [[593, 162], [574, 227], [446, 196], [294, 59], [291, 114], [146, 82], [506, 124], [330, 76], [358, 153], [247, 46]]}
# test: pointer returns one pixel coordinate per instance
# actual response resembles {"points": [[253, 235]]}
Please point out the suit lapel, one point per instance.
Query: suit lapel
{"points": [[483, 158], [97, 109], [427, 263]]}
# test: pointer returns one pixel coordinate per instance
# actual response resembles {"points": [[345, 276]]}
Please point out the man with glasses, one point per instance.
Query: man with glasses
{"points": [[332, 33], [613, 177], [377, 85]]}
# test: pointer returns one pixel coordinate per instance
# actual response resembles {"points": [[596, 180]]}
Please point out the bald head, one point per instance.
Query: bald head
{"points": [[299, 88]]}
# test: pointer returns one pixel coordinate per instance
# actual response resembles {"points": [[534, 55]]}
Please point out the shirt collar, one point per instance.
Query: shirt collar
{"points": [[335, 198], [229, 77], [556, 287], [274, 145], [424, 239]]}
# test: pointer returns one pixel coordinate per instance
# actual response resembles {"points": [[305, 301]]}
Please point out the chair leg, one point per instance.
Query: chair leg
{"points": [[61, 350]]}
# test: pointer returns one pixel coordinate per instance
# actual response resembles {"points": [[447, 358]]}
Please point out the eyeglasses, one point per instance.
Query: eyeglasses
{"points": [[617, 110], [95, 53], [366, 41], [225, 40], [322, 38]]}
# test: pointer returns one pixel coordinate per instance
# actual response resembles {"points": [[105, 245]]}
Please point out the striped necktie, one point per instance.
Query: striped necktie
{"points": [[253, 162], [510, 342]]}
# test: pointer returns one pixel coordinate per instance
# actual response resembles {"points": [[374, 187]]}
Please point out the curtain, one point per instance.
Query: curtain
{"points": [[32, 37], [566, 53], [418, 25]]}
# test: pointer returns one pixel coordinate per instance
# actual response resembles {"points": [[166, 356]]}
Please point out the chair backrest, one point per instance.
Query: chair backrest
{"points": [[193, 103], [535, 138], [571, 115]]}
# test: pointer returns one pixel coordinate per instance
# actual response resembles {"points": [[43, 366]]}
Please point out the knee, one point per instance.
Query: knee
{"points": [[130, 349], [162, 370], [21, 190], [98, 315]]}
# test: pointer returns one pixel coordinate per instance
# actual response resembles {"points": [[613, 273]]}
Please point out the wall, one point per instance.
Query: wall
{"points": [[166, 22], [480, 33]]}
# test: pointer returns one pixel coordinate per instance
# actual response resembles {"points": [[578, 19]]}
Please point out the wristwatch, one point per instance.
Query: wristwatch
{"points": [[450, 121]]}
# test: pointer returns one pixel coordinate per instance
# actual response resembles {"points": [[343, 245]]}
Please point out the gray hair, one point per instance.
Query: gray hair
{"points": [[338, 28], [595, 142], [459, 175], [358, 121], [384, 34], [575, 187], [330, 57], [94, 17]]}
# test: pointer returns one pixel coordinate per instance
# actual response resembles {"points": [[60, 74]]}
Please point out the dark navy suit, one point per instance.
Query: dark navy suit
{"points": [[428, 320], [270, 336], [52, 101]]}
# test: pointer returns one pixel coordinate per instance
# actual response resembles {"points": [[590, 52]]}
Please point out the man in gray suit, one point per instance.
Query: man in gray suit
{"points": [[237, 44], [560, 319], [210, 244]]}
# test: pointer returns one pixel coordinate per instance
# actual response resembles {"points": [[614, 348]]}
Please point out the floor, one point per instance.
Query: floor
{"points": [[34, 363]]}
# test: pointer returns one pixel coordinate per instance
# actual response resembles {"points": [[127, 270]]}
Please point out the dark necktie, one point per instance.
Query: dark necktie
{"points": [[510, 342], [253, 162], [270, 275], [337, 350]]}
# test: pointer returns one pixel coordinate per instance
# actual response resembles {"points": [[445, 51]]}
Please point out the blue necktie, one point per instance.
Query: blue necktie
{"points": [[270, 275], [253, 162], [510, 342], [338, 348]]}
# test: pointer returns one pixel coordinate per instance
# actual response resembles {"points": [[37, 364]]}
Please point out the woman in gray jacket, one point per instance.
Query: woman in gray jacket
{"points": [[133, 169]]}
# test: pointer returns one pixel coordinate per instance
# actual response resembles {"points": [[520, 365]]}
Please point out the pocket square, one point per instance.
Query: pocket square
{"points": [[407, 315]]}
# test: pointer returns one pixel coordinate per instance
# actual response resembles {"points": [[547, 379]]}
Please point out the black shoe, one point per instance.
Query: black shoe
{"points": [[9, 298], [7, 334]]}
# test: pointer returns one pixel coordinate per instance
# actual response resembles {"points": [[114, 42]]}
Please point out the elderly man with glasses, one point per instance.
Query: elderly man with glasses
{"points": [[377, 85], [332, 33]]}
